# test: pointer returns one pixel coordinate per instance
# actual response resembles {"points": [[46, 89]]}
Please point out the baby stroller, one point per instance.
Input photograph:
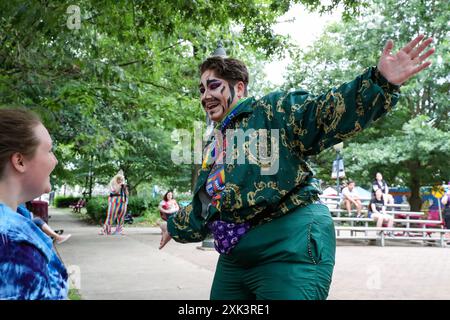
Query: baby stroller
{"points": [[128, 218]]}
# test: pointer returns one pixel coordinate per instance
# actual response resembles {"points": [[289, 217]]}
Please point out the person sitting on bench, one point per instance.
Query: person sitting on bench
{"points": [[377, 211], [351, 198]]}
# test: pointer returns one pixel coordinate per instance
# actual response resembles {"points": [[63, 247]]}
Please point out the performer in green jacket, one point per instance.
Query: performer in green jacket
{"points": [[276, 241]]}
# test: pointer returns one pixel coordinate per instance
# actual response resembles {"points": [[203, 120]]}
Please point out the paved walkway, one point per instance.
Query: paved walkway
{"points": [[132, 267]]}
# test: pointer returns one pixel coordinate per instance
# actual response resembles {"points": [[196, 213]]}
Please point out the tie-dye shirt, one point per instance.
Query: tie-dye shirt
{"points": [[29, 267]]}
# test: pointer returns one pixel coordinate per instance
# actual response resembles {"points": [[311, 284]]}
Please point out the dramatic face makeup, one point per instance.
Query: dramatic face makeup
{"points": [[217, 95]]}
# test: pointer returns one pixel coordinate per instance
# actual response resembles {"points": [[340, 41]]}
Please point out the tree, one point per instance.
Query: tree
{"points": [[111, 78]]}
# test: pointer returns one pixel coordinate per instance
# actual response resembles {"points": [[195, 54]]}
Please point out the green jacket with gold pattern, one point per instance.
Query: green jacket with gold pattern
{"points": [[303, 125]]}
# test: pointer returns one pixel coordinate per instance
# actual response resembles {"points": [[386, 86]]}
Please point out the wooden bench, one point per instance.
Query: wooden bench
{"points": [[380, 234], [77, 206]]}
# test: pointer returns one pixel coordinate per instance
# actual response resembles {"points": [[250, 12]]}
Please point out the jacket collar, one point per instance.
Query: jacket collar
{"points": [[242, 107]]}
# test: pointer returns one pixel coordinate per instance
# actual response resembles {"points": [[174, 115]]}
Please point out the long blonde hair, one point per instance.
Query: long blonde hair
{"points": [[114, 184]]}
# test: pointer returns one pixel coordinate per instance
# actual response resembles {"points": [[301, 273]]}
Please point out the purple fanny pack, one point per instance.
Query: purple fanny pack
{"points": [[227, 235]]}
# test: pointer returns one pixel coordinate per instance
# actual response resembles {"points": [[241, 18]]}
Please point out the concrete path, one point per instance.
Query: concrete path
{"points": [[132, 267]]}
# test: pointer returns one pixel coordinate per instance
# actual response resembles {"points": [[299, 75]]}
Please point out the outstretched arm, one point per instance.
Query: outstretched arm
{"points": [[314, 123]]}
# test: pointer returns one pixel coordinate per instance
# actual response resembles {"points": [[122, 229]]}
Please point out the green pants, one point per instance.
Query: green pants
{"points": [[289, 258]]}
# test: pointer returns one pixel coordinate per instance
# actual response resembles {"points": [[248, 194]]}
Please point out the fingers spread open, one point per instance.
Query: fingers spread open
{"points": [[412, 44], [420, 67], [388, 47], [414, 53], [426, 55]]}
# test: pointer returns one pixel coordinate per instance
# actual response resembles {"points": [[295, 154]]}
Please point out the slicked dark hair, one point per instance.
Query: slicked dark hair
{"points": [[229, 69]]}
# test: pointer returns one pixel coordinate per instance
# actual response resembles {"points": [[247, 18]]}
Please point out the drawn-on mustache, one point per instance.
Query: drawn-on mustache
{"points": [[210, 102]]}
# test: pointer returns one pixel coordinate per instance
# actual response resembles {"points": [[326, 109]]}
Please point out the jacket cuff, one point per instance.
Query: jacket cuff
{"points": [[379, 79]]}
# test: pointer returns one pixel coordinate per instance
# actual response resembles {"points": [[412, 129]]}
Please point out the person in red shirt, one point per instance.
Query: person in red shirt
{"points": [[168, 205]]}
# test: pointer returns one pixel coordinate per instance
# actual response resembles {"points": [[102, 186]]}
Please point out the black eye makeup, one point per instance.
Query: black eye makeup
{"points": [[212, 85], [215, 85]]}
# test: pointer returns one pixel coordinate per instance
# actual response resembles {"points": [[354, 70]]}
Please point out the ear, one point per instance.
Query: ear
{"points": [[240, 92], [18, 162]]}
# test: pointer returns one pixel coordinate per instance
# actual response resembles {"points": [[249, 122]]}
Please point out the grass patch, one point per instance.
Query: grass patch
{"points": [[149, 219], [74, 294], [83, 216]]}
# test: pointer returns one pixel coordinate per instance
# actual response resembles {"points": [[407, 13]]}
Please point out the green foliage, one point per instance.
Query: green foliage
{"points": [[138, 206], [112, 91], [65, 201], [97, 208], [407, 145], [418, 147], [74, 294], [150, 218], [332, 60]]}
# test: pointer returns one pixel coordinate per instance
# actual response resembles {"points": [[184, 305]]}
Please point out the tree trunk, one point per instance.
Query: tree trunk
{"points": [[86, 185], [91, 183], [132, 188], [414, 200], [91, 175], [194, 175], [196, 167]]}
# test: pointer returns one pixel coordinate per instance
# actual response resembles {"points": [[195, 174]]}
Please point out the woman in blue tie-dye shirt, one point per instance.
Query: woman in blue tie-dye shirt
{"points": [[29, 266]]}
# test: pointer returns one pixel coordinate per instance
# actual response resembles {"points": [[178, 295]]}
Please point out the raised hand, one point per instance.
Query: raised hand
{"points": [[407, 62]]}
